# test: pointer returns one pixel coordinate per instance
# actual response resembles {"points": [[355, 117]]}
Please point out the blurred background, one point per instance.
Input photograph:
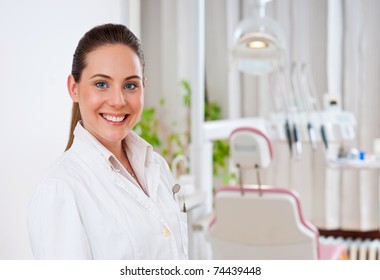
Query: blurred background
{"points": [[189, 56]]}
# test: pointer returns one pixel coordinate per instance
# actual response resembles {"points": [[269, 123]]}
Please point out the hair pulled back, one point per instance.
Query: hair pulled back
{"points": [[107, 34]]}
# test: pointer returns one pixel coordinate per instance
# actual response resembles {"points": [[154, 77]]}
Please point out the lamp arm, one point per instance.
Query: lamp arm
{"points": [[259, 7]]}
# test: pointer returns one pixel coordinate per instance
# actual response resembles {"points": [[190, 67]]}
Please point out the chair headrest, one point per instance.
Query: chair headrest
{"points": [[250, 148]]}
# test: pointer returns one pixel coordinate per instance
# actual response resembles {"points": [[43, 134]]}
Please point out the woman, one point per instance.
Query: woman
{"points": [[109, 196]]}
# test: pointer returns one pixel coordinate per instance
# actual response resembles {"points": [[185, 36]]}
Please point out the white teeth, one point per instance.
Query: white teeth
{"points": [[113, 118]]}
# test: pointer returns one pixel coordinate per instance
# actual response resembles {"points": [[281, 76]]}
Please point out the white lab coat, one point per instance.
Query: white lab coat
{"points": [[89, 207]]}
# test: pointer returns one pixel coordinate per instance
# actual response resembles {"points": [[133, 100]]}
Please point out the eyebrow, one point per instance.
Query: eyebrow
{"points": [[108, 77]]}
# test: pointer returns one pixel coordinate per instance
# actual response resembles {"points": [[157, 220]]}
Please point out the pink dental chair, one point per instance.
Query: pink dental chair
{"points": [[262, 222]]}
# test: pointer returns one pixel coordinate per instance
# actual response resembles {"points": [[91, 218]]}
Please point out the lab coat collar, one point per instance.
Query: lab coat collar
{"points": [[138, 150], [82, 134], [134, 145], [140, 154]]}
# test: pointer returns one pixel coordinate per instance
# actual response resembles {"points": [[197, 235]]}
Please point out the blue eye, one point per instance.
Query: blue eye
{"points": [[101, 84], [130, 86]]}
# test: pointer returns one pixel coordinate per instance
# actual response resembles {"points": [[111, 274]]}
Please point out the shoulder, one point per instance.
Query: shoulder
{"points": [[59, 176], [161, 161], [66, 169], [57, 192], [57, 185], [50, 194], [62, 183]]}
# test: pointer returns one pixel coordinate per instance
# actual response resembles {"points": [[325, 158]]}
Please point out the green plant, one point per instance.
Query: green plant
{"points": [[170, 144], [147, 127], [221, 148]]}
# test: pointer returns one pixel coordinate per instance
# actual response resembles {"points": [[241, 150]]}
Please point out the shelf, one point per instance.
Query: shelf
{"points": [[353, 164]]}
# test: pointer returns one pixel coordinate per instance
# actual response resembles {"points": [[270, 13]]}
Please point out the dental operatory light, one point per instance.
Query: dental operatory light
{"points": [[259, 42]]}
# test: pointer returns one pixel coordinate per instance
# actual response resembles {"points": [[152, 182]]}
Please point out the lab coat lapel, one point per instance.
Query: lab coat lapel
{"points": [[152, 179], [146, 168], [138, 150], [138, 162]]}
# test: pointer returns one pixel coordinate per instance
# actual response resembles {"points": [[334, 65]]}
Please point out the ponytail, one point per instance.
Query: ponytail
{"points": [[75, 118]]}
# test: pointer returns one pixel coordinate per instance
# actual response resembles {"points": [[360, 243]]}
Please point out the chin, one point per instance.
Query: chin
{"points": [[112, 137]]}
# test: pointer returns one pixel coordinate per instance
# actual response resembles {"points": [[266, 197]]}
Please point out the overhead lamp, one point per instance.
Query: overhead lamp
{"points": [[259, 42]]}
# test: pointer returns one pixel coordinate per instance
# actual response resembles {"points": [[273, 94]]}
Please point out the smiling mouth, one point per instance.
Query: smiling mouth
{"points": [[113, 118]]}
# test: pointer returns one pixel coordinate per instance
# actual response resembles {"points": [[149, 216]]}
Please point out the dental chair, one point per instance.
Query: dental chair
{"points": [[262, 222]]}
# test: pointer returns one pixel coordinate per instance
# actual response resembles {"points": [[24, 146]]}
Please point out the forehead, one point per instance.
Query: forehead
{"points": [[114, 60]]}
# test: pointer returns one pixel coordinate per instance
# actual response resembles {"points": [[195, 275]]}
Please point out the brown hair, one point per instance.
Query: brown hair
{"points": [[96, 37]]}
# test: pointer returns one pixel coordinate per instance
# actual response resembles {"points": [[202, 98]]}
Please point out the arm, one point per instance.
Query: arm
{"points": [[54, 225]]}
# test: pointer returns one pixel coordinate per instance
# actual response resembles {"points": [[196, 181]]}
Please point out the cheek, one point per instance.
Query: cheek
{"points": [[138, 103], [89, 100], [142, 101]]}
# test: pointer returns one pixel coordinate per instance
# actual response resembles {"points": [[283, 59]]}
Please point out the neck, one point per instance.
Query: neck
{"points": [[116, 149]]}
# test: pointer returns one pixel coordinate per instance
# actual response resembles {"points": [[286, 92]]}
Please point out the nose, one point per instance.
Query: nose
{"points": [[117, 98]]}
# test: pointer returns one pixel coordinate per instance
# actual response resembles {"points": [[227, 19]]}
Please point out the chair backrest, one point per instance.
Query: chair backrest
{"points": [[259, 223], [249, 147]]}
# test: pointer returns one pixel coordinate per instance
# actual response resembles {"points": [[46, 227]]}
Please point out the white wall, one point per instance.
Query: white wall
{"points": [[37, 42]]}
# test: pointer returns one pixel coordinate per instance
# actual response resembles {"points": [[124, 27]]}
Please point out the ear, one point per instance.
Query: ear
{"points": [[72, 87]]}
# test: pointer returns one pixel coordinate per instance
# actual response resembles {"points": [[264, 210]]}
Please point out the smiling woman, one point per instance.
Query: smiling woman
{"points": [[110, 95], [109, 195]]}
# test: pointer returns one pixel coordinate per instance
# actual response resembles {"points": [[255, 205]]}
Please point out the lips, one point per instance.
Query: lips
{"points": [[114, 118]]}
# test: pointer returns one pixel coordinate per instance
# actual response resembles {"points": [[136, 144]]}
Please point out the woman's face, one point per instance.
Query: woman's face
{"points": [[110, 92]]}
